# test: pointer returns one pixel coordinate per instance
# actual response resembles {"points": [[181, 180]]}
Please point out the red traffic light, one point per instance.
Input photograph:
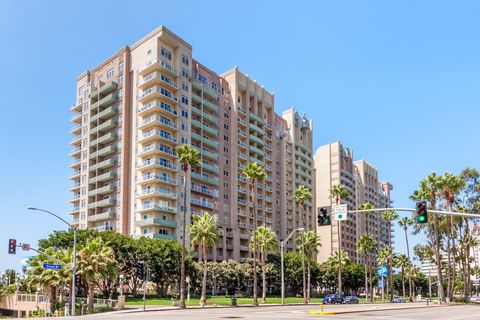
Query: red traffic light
{"points": [[12, 246], [422, 216]]}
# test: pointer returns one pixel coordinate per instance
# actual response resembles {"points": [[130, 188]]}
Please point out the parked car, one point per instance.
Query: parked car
{"points": [[333, 299], [399, 299], [351, 300]]}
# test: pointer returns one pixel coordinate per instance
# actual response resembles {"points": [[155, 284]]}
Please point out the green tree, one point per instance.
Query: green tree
{"points": [[389, 216], [401, 261], [367, 245], [254, 172], [302, 194], [338, 192], [266, 241], [204, 232], [386, 256], [429, 190], [404, 223], [95, 260], [187, 157], [310, 246]]}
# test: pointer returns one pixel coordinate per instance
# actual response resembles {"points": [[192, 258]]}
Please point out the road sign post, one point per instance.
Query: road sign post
{"points": [[339, 212]]}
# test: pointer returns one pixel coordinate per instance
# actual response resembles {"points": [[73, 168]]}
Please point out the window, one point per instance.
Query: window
{"points": [[185, 100], [149, 52], [120, 67], [185, 86], [225, 126], [225, 173], [120, 79], [225, 149], [110, 74], [185, 73], [225, 138], [184, 126], [214, 86], [84, 155], [185, 60], [85, 142], [165, 53], [184, 113], [184, 140], [202, 79]]}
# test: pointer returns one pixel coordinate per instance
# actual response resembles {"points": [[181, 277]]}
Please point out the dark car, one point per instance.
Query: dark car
{"points": [[351, 300], [333, 299]]}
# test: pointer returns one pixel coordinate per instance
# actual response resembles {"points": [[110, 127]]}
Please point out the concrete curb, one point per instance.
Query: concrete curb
{"points": [[386, 309]]}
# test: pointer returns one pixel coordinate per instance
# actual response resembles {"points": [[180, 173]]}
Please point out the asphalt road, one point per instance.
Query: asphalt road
{"points": [[467, 312]]}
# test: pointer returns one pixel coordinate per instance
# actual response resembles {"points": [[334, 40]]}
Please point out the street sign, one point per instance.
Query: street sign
{"points": [[382, 271], [380, 283], [52, 266], [25, 246], [339, 212]]}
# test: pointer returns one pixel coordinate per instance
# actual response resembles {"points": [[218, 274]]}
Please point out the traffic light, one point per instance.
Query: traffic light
{"points": [[323, 217], [141, 270], [78, 280], [12, 246], [422, 216]]}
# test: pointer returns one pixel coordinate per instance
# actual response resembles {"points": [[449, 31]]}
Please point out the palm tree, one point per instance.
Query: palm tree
{"points": [[187, 157], [386, 256], [428, 191], [204, 232], [95, 260], [311, 245], [450, 185], [301, 194], [405, 222], [367, 245], [401, 261], [389, 216], [366, 206], [338, 192], [253, 171], [332, 261], [412, 272], [266, 241]]}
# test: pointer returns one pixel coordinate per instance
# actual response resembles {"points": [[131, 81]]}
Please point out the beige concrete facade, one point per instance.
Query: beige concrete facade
{"points": [[126, 175], [334, 165]]}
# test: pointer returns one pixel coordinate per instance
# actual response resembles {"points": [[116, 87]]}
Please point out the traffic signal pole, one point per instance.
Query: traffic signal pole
{"points": [[447, 213]]}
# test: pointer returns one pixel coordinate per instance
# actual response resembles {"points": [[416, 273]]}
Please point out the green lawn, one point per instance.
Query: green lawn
{"points": [[219, 300]]}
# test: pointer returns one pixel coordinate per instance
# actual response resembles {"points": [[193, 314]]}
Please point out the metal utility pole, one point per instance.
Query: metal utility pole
{"points": [[282, 246]]}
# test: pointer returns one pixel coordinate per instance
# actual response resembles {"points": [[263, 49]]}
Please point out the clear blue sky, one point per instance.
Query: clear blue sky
{"points": [[398, 81]]}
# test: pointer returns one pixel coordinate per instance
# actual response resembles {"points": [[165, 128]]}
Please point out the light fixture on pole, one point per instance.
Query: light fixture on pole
{"points": [[282, 246], [74, 263]]}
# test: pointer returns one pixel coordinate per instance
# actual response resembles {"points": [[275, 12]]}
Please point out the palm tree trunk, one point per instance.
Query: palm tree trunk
{"points": [[255, 291], [410, 293], [390, 281], [403, 282], [371, 284], [441, 291], [184, 228], [264, 279], [304, 274], [366, 282], [449, 268], [90, 297], [308, 279], [203, 299]]}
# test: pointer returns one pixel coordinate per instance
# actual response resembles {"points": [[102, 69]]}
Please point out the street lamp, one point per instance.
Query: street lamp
{"points": [[282, 246], [122, 278], [74, 267]]}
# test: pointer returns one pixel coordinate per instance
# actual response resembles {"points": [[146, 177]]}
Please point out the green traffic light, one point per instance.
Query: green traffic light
{"points": [[421, 218]]}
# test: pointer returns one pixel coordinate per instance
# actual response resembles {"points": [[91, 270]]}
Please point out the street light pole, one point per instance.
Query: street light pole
{"points": [[74, 262], [282, 246]]}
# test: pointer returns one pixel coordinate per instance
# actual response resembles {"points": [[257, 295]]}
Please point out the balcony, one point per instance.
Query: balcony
{"points": [[157, 207], [156, 235], [205, 116], [257, 118], [302, 173], [157, 148], [103, 177], [103, 190], [254, 128], [157, 163], [107, 125], [210, 167], [259, 162], [207, 154], [103, 165], [204, 140], [257, 151], [154, 134], [107, 88], [75, 174], [257, 140], [108, 150], [202, 203], [105, 102], [204, 190], [157, 92], [105, 114], [107, 138], [101, 204], [241, 144], [205, 128], [157, 192], [77, 117], [156, 222], [242, 155], [77, 128], [208, 180], [158, 66], [151, 121], [100, 216], [148, 178], [156, 106], [206, 104], [206, 90], [156, 78]]}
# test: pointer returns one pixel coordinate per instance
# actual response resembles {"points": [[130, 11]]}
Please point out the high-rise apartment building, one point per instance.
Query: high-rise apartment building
{"points": [[334, 165], [135, 109]]}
